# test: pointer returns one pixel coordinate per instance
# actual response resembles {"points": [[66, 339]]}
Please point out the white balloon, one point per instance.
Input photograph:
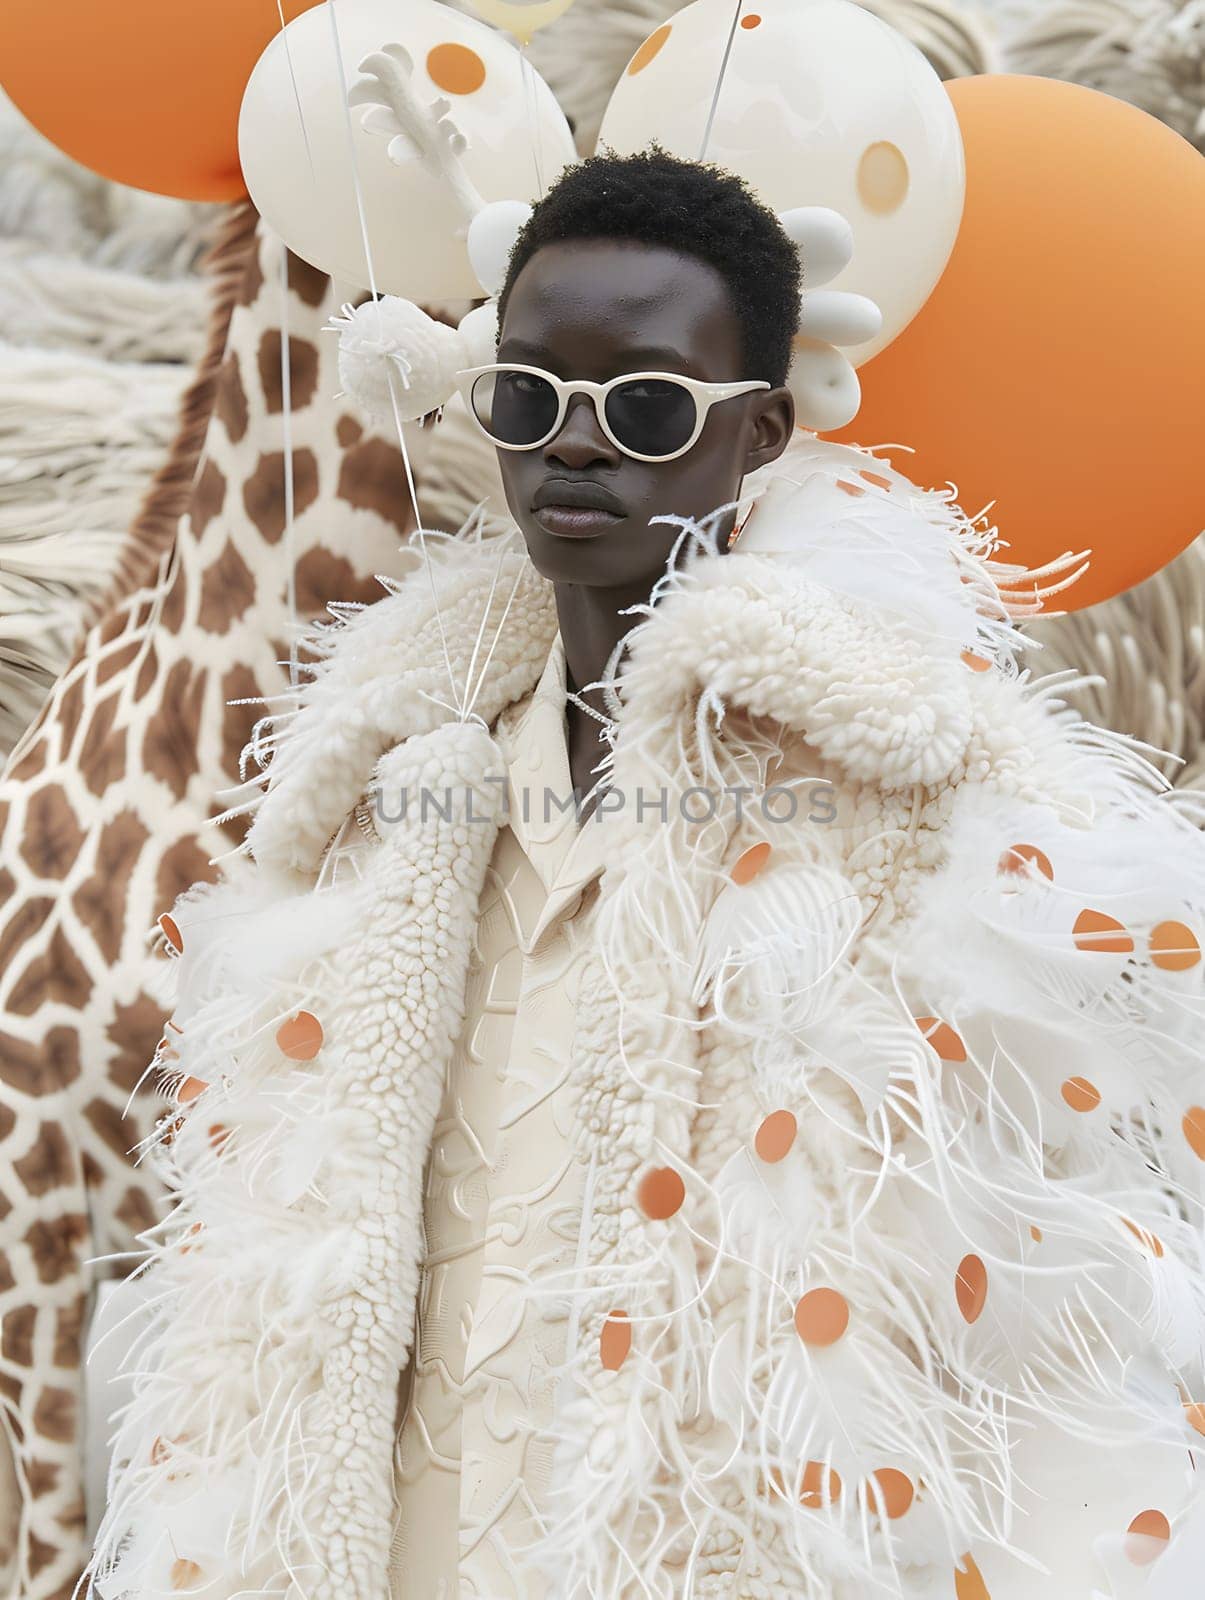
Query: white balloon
{"points": [[304, 170], [492, 234], [821, 105], [479, 330]]}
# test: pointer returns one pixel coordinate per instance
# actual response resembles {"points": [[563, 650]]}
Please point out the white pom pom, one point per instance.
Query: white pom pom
{"points": [[479, 330], [826, 388], [824, 240], [492, 234], [392, 344]]}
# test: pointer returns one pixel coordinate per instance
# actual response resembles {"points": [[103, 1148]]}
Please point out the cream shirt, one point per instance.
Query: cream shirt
{"points": [[503, 1194]]}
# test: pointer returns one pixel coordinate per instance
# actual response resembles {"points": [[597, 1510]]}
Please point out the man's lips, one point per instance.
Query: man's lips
{"points": [[576, 507]]}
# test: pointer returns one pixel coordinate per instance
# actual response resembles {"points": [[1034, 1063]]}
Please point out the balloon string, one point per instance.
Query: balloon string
{"points": [[305, 132], [719, 83], [286, 401], [372, 277], [531, 101], [420, 531]]}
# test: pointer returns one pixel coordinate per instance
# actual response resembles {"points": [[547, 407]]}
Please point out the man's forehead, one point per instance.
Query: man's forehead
{"points": [[621, 293]]}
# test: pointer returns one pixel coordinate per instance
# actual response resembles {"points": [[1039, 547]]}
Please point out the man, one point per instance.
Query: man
{"points": [[781, 1177]]}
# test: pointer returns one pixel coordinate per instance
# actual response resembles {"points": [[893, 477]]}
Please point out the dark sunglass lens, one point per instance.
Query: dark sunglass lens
{"points": [[652, 416], [515, 407]]}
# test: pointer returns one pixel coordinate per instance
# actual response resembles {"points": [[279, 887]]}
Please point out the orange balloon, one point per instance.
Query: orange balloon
{"points": [[143, 91], [1059, 367]]}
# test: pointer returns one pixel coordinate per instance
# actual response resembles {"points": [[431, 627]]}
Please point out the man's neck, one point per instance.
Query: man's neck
{"points": [[592, 622]]}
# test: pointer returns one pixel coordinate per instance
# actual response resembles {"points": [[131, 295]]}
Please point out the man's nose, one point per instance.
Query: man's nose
{"points": [[581, 443]]}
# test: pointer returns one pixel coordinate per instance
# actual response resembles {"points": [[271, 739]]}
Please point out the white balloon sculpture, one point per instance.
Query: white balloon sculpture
{"points": [[818, 101], [445, 118]]}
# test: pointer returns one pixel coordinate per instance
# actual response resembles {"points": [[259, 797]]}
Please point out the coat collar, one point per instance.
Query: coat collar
{"points": [[845, 614]]}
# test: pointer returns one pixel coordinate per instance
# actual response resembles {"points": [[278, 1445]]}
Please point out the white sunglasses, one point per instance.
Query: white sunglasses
{"points": [[522, 408]]}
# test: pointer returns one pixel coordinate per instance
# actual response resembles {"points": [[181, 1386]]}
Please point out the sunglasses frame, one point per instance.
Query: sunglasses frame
{"points": [[705, 395]]}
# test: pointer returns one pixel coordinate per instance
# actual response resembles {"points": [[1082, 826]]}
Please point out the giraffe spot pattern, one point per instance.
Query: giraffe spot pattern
{"points": [[97, 902], [116, 1131], [116, 661], [230, 400], [323, 576], [306, 282], [169, 744], [102, 758], [348, 432], [303, 371], [68, 1333], [371, 478], [27, 920], [48, 1164], [184, 863], [264, 490], [53, 1245], [56, 975], [133, 1032], [43, 1067], [53, 837], [227, 591], [54, 1414], [208, 499], [148, 671]]}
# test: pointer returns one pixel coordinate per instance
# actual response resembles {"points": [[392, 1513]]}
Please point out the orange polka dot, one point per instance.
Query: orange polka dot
{"points": [[1035, 1233], [751, 21], [661, 1193], [751, 862], [883, 178], [821, 1317], [1194, 1413], [942, 1037], [1194, 1130], [776, 1135], [219, 1137], [1094, 930], [895, 1489], [821, 1485], [854, 490], [190, 1089], [300, 1038], [976, 663], [1080, 1095], [185, 1574], [615, 1341], [160, 1451], [968, 1581], [970, 1287], [1151, 1241], [171, 932], [877, 478], [1146, 1537], [1174, 947], [1023, 860], [191, 1233], [455, 68], [650, 48]]}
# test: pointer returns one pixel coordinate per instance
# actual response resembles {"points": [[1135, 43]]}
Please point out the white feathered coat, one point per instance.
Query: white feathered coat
{"points": [[925, 1107]]}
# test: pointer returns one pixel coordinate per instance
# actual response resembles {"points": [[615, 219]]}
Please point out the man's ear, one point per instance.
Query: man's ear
{"points": [[773, 424]]}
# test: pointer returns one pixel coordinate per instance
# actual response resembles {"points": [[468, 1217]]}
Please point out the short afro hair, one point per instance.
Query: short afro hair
{"points": [[699, 210]]}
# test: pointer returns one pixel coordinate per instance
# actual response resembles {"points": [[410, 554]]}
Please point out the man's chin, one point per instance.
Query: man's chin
{"points": [[613, 559]]}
